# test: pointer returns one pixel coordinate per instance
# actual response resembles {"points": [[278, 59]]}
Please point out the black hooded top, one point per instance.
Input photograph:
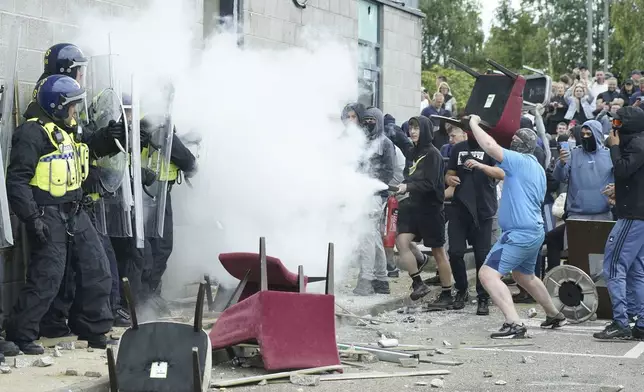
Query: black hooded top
{"points": [[424, 171], [628, 164]]}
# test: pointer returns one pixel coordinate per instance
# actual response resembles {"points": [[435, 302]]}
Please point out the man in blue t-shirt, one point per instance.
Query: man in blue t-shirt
{"points": [[520, 219]]}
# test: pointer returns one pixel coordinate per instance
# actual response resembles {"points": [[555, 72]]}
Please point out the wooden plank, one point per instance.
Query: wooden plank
{"points": [[52, 342], [274, 376], [365, 319], [441, 362], [366, 376]]}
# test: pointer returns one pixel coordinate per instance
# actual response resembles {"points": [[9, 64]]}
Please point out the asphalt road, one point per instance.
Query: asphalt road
{"points": [[563, 360]]}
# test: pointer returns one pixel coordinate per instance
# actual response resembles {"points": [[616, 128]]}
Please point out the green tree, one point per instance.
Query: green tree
{"points": [[452, 29], [566, 21], [627, 46], [516, 39], [460, 83]]}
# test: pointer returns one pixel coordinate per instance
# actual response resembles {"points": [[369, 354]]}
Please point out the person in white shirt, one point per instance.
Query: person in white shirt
{"points": [[424, 99]]}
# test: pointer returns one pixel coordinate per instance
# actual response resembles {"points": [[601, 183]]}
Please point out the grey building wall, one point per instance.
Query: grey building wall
{"points": [[280, 24]]}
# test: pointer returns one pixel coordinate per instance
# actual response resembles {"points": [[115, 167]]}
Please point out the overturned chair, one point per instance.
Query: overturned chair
{"points": [[294, 329], [497, 98], [162, 356]]}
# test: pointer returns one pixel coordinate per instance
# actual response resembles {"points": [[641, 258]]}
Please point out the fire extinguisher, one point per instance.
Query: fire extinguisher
{"points": [[391, 222]]}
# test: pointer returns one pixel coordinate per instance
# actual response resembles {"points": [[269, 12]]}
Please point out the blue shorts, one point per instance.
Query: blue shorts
{"points": [[516, 250]]}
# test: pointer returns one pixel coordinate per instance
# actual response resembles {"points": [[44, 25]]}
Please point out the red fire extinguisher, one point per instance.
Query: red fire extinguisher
{"points": [[391, 222]]}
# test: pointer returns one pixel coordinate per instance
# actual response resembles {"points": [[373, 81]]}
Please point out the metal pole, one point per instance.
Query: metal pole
{"points": [[589, 43], [606, 27]]}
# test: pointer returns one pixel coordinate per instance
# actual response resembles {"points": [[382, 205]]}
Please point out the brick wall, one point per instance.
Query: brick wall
{"points": [[279, 24]]}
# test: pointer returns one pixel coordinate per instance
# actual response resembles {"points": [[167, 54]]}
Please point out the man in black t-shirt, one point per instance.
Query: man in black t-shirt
{"points": [[474, 175]]}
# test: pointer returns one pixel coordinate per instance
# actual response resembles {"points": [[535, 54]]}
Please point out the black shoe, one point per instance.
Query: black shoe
{"points": [[433, 281], [9, 349], [419, 291], [637, 333], [380, 287], [122, 318], [508, 280], [422, 264], [394, 273], [510, 331], [632, 319], [445, 301], [554, 322], [614, 331], [364, 288], [523, 298], [99, 342], [30, 348], [460, 299], [483, 306]]}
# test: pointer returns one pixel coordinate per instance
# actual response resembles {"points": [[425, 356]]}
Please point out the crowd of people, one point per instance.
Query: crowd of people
{"points": [[458, 181], [55, 187]]}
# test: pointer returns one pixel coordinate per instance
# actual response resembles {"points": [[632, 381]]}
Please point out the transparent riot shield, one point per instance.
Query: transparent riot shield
{"points": [[7, 124], [158, 160], [111, 179], [137, 187]]}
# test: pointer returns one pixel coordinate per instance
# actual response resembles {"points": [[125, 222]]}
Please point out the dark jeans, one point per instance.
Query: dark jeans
{"points": [[461, 228], [555, 244]]}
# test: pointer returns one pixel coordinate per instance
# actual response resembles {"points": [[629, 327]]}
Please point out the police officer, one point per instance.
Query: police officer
{"points": [[46, 170], [183, 164], [68, 59]]}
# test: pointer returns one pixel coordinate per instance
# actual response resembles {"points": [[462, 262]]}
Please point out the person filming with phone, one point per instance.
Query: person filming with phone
{"points": [[587, 169]]}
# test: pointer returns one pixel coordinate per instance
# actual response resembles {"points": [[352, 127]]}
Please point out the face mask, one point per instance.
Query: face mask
{"points": [[589, 144], [519, 146], [370, 127]]}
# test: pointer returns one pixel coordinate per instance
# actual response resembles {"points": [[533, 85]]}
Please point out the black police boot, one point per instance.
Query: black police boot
{"points": [[380, 287], [30, 348], [9, 349], [460, 299], [483, 306], [364, 288], [614, 331], [99, 342]]}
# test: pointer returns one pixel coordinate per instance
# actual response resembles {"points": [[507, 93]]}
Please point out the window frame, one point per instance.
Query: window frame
{"points": [[376, 69]]}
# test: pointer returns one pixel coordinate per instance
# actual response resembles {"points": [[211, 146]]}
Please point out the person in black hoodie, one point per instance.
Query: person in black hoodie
{"points": [[624, 254], [421, 215]]}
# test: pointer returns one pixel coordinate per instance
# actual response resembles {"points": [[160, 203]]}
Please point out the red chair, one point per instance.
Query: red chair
{"points": [[294, 329], [497, 99]]}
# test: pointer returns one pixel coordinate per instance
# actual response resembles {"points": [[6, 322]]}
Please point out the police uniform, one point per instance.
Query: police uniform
{"points": [[144, 268], [46, 170]]}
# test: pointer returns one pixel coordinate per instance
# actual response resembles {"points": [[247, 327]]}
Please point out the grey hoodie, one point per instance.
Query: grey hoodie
{"points": [[381, 163], [587, 174]]}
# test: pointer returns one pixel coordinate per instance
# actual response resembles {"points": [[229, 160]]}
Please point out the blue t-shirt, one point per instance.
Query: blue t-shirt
{"points": [[524, 189]]}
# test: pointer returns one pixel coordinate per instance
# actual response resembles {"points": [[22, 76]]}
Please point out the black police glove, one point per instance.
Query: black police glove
{"points": [[39, 229], [115, 130], [145, 138], [148, 177]]}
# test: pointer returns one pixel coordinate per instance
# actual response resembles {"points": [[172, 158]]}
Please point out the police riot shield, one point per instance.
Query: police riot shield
{"points": [[135, 154], [111, 179], [8, 105], [157, 160]]}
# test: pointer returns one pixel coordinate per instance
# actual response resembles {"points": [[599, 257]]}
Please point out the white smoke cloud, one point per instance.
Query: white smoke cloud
{"points": [[272, 161]]}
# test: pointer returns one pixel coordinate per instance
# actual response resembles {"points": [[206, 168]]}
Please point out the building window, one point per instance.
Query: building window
{"points": [[369, 52], [217, 12]]}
